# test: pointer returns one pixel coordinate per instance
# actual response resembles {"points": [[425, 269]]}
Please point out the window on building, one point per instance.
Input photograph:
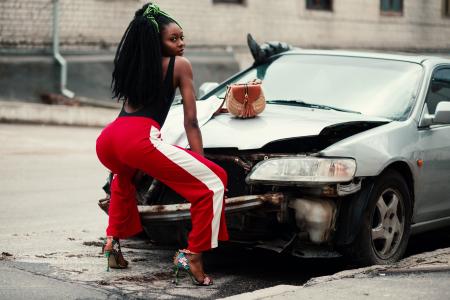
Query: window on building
{"points": [[319, 4], [391, 7], [446, 8], [229, 1]]}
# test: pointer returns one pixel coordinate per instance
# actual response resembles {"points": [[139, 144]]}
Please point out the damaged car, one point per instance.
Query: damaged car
{"points": [[350, 157]]}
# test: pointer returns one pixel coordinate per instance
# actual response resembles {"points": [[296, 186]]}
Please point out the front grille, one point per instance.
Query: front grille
{"points": [[236, 178], [236, 181]]}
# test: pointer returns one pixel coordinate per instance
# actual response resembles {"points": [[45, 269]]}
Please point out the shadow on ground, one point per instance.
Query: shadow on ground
{"points": [[239, 270]]}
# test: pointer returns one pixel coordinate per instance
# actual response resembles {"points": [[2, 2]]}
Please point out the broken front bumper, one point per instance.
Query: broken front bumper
{"points": [[312, 216], [176, 212]]}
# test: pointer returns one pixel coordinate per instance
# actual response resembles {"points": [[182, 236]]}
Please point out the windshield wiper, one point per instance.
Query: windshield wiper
{"points": [[311, 105]]}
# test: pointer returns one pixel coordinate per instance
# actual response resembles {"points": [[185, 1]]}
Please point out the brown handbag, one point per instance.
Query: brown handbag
{"points": [[245, 100]]}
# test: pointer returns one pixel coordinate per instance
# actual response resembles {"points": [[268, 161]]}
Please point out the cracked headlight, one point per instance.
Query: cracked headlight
{"points": [[303, 170]]}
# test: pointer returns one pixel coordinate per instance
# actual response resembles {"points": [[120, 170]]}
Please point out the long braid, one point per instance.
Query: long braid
{"points": [[138, 74]]}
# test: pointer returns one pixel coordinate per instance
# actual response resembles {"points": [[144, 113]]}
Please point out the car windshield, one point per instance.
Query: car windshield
{"points": [[376, 87]]}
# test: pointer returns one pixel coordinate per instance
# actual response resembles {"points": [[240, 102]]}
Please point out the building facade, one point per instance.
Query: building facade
{"points": [[215, 33], [86, 25]]}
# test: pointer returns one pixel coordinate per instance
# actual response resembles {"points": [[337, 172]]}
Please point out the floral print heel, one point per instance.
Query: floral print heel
{"points": [[181, 263]]}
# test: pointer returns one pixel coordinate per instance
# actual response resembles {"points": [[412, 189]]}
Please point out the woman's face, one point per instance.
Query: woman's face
{"points": [[172, 40]]}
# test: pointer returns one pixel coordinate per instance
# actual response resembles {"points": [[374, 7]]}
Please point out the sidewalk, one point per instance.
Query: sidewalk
{"points": [[36, 113], [422, 276], [18, 284]]}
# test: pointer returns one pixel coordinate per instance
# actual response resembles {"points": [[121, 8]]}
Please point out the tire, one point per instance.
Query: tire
{"points": [[386, 224]]}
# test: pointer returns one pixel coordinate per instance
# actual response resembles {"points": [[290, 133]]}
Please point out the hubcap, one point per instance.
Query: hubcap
{"points": [[388, 223]]}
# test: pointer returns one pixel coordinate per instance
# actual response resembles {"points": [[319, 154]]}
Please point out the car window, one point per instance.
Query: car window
{"points": [[439, 89], [377, 87]]}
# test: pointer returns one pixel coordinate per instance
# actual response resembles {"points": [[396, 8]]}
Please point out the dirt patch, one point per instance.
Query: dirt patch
{"points": [[84, 255], [76, 271], [93, 243], [6, 255], [102, 282], [75, 255], [147, 278], [138, 259], [46, 255]]}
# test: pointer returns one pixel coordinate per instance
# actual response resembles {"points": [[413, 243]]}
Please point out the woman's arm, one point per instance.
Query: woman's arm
{"points": [[183, 72]]}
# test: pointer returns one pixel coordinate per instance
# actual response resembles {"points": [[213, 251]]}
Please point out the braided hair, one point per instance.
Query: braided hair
{"points": [[138, 75]]}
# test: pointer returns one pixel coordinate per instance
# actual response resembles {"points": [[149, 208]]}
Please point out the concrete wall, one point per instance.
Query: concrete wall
{"points": [[89, 76], [215, 36]]}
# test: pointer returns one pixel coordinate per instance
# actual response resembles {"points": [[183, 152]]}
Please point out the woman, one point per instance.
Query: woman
{"points": [[148, 67]]}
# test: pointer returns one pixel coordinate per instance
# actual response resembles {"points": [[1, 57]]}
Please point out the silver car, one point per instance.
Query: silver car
{"points": [[351, 156]]}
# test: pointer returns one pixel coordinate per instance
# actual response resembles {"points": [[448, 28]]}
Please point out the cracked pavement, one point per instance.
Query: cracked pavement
{"points": [[51, 232], [51, 227]]}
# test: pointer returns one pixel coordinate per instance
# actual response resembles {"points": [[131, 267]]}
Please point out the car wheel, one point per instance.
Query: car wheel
{"points": [[386, 222]]}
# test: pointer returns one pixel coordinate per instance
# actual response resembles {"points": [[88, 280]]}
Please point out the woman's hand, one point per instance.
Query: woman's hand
{"points": [[184, 80]]}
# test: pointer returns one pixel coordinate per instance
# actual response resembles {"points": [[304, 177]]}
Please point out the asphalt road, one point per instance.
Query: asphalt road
{"points": [[51, 231]]}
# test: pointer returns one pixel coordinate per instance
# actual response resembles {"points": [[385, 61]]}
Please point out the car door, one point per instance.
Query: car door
{"points": [[433, 181]]}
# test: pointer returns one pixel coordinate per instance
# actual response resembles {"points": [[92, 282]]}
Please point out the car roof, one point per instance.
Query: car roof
{"points": [[414, 58]]}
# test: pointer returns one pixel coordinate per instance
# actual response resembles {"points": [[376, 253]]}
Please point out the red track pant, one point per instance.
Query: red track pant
{"points": [[134, 143]]}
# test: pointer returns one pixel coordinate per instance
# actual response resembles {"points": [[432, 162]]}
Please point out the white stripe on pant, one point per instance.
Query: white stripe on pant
{"points": [[198, 170]]}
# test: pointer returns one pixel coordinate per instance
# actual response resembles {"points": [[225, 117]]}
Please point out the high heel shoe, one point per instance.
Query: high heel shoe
{"points": [[181, 263], [114, 257]]}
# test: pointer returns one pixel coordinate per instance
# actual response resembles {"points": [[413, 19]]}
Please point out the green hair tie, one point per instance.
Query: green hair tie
{"points": [[153, 11]]}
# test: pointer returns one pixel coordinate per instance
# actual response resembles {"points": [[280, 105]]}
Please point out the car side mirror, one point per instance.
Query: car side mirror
{"points": [[442, 113], [206, 87]]}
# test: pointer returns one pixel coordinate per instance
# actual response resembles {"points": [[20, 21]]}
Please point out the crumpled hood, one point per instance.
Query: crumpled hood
{"points": [[275, 123]]}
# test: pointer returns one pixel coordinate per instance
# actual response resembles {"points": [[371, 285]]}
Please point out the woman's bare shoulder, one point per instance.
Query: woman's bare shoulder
{"points": [[182, 65]]}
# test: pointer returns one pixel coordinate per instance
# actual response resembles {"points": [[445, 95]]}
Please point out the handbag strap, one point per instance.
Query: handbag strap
{"points": [[246, 94], [221, 110]]}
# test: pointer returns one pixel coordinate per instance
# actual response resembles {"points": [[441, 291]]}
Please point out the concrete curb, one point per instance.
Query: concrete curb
{"points": [[35, 113], [275, 291]]}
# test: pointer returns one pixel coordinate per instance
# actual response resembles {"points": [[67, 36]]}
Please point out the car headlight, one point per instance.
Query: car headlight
{"points": [[303, 169]]}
